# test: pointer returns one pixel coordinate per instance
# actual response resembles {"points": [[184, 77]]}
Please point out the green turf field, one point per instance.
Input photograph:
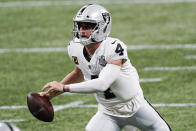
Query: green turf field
{"points": [[134, 24]]}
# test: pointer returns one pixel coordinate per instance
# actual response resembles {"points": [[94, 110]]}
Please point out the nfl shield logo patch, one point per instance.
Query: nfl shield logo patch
{"points": [[102, 61]]}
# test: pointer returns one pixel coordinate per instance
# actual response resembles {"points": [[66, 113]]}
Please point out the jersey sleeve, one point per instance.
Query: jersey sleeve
{"points": [[116, 50], [69, 50], [73, 49]]}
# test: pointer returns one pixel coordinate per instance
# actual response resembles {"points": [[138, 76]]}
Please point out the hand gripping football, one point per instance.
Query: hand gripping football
{"points": [[40, 107]]}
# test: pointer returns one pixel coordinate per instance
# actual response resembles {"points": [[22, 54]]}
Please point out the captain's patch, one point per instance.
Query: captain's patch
{"points": [[75, 60]]}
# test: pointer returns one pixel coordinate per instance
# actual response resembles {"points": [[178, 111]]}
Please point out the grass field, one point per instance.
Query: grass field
{"points": [[135, 24]]}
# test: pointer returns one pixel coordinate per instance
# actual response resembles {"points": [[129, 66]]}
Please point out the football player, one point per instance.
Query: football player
{"points": [[102, 67]]}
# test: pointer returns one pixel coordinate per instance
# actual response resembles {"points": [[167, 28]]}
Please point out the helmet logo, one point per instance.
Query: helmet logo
{"points": [[106, 18]]}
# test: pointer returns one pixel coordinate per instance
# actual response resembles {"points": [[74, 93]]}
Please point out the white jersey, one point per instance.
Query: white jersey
{"points": [[124, 95]]}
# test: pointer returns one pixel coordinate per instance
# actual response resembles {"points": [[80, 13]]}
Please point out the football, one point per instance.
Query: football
{"points": [[40, 107]]}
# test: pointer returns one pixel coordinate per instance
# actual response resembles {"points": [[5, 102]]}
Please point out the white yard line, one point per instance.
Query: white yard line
{"points": [[175, 105], [32, 50], [82, 2], [155, 105], [13, 120], [77, 104], [171, 46], [151, 80], [72, 104], [12, 107], [87, 106], [190, 57], [129, 47], [56, 107], [169, 68]]}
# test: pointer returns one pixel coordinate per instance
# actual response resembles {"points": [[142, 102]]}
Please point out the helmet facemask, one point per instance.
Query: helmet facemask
{"points": [[87, 27]]}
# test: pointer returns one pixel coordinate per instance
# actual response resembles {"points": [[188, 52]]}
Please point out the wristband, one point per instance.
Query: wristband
{"points": [[64, 90]]}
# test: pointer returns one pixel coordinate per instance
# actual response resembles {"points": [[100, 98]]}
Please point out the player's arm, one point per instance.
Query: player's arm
{"points": [[75, 76], [106, 77]]}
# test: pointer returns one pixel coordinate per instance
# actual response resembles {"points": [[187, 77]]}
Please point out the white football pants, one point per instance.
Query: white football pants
{"points": [[145, 119]]}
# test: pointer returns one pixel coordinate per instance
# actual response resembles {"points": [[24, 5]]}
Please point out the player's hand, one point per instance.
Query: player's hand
{"points": [[54, 89]]}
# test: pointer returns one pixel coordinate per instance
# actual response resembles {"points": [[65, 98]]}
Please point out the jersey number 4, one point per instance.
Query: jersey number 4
{"points": [[119, 50], [108, 93]]}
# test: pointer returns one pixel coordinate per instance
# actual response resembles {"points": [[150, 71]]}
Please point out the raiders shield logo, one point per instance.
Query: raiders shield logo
{"points": [[102, 61], [75, 60]]}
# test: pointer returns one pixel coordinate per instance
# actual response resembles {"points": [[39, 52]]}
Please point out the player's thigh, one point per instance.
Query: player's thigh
{"points": [[130, 128], [102, 122], [148, 119]]}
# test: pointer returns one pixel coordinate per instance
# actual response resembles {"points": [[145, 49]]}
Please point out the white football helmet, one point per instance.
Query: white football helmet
{"points": [[96, 14], [8, 127]]}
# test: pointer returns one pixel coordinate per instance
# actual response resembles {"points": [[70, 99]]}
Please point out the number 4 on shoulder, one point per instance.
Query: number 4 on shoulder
{"points": [[119, 50]]}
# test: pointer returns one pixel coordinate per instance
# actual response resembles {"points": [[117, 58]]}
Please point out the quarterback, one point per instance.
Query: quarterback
{"points": [[102, 67]]}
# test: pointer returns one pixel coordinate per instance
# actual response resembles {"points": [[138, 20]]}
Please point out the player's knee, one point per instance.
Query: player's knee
{"points": [[160, 127], [89, 128], [165, 128]]}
